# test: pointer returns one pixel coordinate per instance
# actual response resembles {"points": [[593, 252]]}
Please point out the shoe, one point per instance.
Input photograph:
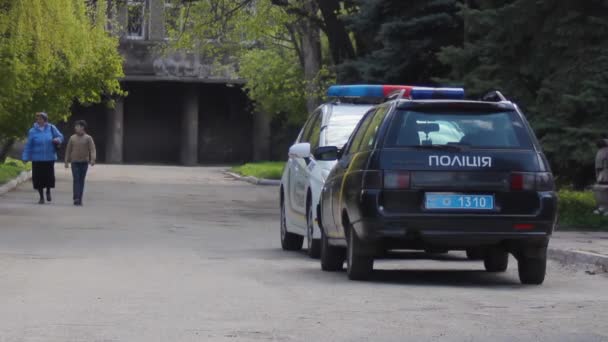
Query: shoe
{"points": [[78, 203], [41, 201], [48, 196]]}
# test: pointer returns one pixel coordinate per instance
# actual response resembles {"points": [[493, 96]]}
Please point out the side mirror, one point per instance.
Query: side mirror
{"points": [[301, 150], [327, 153]]}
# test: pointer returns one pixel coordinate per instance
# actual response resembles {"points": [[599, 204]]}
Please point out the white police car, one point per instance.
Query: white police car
{"points": [[329, 125]]}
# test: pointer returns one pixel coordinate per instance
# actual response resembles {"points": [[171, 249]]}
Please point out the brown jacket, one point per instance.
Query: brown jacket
{"points": [[81, 148]]}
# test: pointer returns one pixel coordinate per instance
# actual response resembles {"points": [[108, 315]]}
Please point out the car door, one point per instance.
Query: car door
{"points": [[301, 171], [294, 166], [356, 166], [335, 180]]}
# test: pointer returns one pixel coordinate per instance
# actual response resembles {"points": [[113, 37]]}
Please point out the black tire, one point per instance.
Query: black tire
{"points": [[289, 241], [332, 258], [475, 254], [496, 260], [359, 265], [314, 245], [532, 271]]}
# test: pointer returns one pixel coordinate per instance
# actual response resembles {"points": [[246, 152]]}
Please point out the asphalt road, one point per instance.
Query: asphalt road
{"points": [[185, 254]]}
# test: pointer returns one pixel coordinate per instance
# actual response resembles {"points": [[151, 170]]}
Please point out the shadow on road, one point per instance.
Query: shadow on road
{"points": [[472, 278], [460, 278]]}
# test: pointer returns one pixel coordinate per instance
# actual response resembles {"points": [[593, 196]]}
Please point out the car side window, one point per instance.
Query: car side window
{"points": [[308, 127], [369, 138], [315, 131], [357, 137]]}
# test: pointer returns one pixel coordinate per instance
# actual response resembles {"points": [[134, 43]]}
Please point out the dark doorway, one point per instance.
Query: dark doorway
{"points": [[152, 123]]}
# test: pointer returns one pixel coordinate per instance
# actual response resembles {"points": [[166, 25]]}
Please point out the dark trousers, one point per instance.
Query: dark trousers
{"points": [[79, 173]]}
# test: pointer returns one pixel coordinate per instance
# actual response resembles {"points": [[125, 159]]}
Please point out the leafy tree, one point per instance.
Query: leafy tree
{"points": [[53, 52], [551, 57], [277, 50], [398, 40]]}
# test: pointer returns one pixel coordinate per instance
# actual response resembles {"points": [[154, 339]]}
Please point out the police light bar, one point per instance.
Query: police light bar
{"points": [[383, 91]]}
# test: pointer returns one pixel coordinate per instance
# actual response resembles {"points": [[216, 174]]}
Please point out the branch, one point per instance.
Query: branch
{"points": [[299, 12]]}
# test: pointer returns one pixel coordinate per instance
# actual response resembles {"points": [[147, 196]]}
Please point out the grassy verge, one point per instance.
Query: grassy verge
{"points": [[11, 169], [576, 211], [266, 170]]}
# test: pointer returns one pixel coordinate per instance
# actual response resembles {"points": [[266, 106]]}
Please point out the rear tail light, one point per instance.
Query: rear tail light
{"points": [[541, 181], [397, 180]]}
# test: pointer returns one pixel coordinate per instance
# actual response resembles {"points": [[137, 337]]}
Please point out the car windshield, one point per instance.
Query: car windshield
{"points": [[503, 130], [342, 123]]}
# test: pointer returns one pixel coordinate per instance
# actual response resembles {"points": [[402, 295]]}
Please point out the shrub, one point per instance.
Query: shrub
{"points": [[11, 169], [576, 211]]}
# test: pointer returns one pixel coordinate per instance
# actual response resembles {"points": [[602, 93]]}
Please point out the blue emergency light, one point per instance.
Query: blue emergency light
{"points": [[383, 91]]}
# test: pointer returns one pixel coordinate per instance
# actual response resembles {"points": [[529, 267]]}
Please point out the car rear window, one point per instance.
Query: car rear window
{"points": [[501, 130], [341, 124]]}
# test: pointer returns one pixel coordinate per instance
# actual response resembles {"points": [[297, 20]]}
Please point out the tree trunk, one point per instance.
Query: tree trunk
{"points": [[5, 148], [311, 51], [339, 41]]}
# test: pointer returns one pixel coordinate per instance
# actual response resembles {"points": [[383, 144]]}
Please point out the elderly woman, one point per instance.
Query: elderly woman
{"points": [[41, 149]]}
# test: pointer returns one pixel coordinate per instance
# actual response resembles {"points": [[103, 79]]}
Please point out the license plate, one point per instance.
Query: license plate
{"points": [[459, 202]]}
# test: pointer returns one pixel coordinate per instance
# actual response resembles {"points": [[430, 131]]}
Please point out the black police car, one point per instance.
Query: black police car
{"points": [[438, 174]]}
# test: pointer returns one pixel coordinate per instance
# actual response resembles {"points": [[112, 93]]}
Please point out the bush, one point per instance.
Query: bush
{"points": [[576, 211], [11, 169]]}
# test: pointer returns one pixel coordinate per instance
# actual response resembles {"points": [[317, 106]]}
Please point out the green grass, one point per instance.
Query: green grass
{"points": [[576, 211], [266, 170], [11, 169]]}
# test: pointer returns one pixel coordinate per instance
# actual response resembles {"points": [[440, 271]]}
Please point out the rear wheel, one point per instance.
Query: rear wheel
{"points": [[332, 258], [314, 245], [532, 269], [359, 264], [289, 241], [475, 254], [496, 260]]}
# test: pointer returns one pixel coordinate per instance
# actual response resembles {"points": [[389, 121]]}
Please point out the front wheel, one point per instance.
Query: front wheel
{"points": [[532, 269], [314, 245], [496, 260], [359, 264], [475, 254], [289, 241], [332, 257]]}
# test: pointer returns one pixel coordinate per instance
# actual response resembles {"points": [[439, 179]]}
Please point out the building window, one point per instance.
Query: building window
{"points": [[136, 19]]}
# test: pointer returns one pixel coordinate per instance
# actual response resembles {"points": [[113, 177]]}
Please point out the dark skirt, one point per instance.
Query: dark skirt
{"points": [[43, 174]]}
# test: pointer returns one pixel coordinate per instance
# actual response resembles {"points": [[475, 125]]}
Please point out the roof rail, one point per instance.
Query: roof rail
{"points": [[494, 96]]}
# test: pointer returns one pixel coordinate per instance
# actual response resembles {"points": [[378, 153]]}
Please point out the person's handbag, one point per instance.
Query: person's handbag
{"points": [[57, 145]]}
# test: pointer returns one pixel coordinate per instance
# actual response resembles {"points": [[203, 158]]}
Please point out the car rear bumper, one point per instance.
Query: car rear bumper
{"points": [[452, 232]]}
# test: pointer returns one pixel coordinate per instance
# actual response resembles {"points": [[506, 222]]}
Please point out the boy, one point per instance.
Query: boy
{"points": [[80, 152]]}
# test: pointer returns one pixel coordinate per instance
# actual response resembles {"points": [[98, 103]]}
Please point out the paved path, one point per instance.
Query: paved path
{"points": [[591, 242], [184, 254]]}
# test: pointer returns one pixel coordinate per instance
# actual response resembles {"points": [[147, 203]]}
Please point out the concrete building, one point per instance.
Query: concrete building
{"points": [[180, 108]]}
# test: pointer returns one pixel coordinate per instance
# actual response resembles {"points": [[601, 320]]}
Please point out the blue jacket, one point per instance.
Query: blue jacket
{"points": [[39, 146]]}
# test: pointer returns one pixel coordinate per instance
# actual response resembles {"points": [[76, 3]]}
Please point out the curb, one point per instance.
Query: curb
{"points": [[11, 185], [254, 180], [577, 257]]}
